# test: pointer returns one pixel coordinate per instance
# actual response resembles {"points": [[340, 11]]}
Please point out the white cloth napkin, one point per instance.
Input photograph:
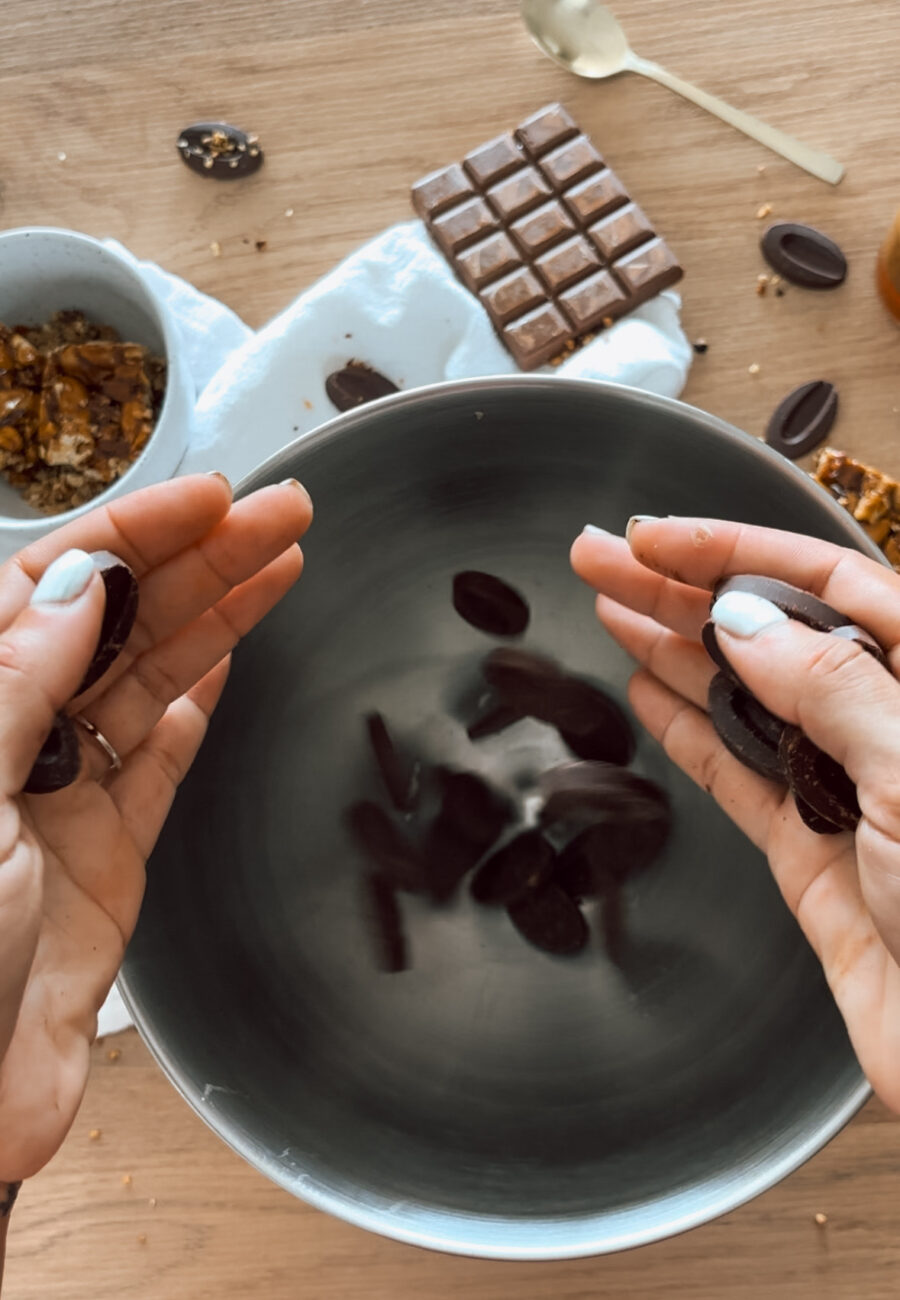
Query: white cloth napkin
{"points": [[395, 305]]}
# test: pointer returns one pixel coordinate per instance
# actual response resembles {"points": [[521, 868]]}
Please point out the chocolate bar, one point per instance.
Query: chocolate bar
{"points": [[543, 232]]}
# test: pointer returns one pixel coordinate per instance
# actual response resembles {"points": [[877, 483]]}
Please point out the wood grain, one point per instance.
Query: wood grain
{"points": [[353, 101]]}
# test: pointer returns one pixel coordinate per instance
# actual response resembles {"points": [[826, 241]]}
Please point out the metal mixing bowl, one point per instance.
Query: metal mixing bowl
{"points": [[491, 1100]]}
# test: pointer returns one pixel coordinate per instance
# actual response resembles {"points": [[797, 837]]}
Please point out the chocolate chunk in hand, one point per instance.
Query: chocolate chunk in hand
{"points": [[386, 846], [797, 604], [122, 594], [818, 780], [548, 919], [803, 419], [518, 868], [355, 384], [400, 775], [489, 604], [745, 727], [385, 924], [218, 150], [59, 762]]}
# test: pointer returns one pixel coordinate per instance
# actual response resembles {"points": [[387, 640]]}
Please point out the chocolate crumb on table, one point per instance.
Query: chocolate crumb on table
{"points": [[77, 406], [544, 233], [871, 497]]}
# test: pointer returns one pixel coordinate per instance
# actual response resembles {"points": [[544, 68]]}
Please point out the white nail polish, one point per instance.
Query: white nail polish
{"points": [[593, 531], [745, 615], [638, 519], [64, 579]]}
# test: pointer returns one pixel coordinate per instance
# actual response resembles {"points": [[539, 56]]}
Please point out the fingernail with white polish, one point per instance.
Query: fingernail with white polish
{"points": [[744, 615], [64, 579], [593, 531], [638, 519]]}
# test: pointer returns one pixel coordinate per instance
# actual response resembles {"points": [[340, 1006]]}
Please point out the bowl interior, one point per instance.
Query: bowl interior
{"points": [[491, 1099], [45, 271]]}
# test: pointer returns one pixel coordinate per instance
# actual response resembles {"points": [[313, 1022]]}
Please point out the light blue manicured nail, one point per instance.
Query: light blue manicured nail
{"points": [[593, 531], [64, 579], [638, 519], [744, 615]]}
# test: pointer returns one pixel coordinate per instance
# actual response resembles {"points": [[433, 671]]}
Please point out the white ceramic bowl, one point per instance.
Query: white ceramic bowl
{"points": [[43, 271]]}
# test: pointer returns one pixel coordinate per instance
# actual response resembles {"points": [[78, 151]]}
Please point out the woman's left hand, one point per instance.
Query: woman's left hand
{"points": [[72, 863]]}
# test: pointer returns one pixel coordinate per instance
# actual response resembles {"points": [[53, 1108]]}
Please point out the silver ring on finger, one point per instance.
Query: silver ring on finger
{"points": [[96, 734]]}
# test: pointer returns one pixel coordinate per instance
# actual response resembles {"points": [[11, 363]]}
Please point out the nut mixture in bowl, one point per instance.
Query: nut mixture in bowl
{"points": [[77, 407]]}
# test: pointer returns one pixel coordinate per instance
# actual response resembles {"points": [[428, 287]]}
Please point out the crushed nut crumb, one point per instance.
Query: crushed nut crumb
{"points": [[142, 1238], [113, 1054], [753, 368], [307, 403], [821, 1219], [95, 1134], [126, 1180], [261, 245], [607, 322], [215, 248], [62, 156], [289, 212], [152, 1202], [765, 210], [479, 415], [761, 167]]}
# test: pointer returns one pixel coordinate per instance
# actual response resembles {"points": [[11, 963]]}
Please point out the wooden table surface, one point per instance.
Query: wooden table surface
{"points": [[353, 101]]}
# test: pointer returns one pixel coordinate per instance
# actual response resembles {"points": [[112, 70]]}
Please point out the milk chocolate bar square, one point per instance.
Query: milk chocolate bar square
{"points": [[545, 234]]}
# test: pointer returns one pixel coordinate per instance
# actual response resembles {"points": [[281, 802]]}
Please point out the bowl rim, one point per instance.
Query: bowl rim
{"points": [[479, 1235], [31, 529]]}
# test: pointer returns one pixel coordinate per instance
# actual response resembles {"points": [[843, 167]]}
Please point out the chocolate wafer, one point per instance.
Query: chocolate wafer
{"points": [[543, 232]]}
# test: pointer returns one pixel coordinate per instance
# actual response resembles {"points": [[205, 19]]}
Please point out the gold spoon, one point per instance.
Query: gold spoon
{"points": [[585, 38]]}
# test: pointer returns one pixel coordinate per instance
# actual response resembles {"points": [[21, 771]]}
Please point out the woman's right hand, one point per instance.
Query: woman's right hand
{"points": [[653, 597]]}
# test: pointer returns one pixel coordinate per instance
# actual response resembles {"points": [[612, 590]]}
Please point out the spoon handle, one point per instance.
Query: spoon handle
{"points": [[812, 160]]}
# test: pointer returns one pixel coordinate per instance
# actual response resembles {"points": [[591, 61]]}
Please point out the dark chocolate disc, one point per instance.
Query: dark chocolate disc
{"points": [[522, 865], [59, 762], [863, 638], [118, 616], [803, 419], [355, 384], [218, 150], [810, 818], [745, 727], [400, 775], [820, 782], [584, 792], [804, 255], [385, 924], [489, 604], [550, 920], [494, 719], [801, 605], [386, 846]]}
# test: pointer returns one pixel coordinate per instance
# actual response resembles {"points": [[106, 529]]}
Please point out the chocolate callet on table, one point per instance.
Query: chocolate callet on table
{"points": [[542, 231], [804, 255], [215, 149], [803, 419], [355, 384]]}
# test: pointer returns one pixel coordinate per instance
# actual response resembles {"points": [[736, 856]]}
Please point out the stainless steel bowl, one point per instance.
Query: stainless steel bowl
{"points": [[492, 1100]]}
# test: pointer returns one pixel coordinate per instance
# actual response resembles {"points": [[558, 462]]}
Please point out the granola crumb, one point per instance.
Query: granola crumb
{"points": [[558, 360], [479, 415], [764, 210], [261, 245], [113, 1054], [95, 1134], [821, 1219], [215, 248], [607, 322], [761, 167], [289, 212], [126, 1180], [62, 155], [142, 1238], [152, 1202], [753, 368], [307, 403]]}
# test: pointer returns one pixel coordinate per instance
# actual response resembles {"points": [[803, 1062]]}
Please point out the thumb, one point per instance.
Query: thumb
{"points": [[44, 653], [849, 705]]}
